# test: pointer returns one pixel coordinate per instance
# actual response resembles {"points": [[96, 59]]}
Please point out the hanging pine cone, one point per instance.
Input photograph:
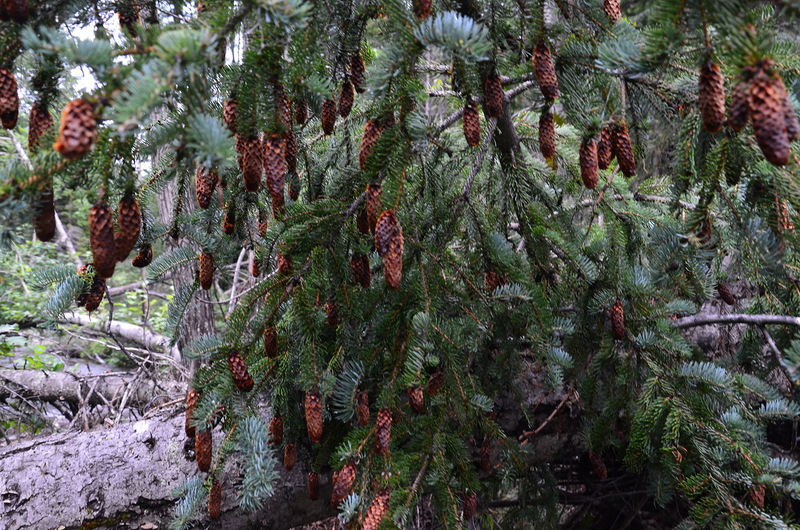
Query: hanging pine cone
{"points": [[435, 382], [101, 237], [372, 205], [285, 264], [205, 182], [285, 115], [313, 410], [362, 408], [96, 293], [238, 368], [416, 399], [17, 10], [192, 397], [756, 495], [129, 18], [359, 265], [768, 114], [129, 225], [263, 224], [290, 152], [470, 505], [250, 162], [492, 280], [623, 149], [612, 9], [598, 465], [229, 222], [39, 121], [230, 114], [215, 500], [44, 213], [346, 98], [270, 342], [383, 431], [792, 124], [617, 314], [740, 107], [605, 148], [343, 481], [206, 275], [422, 8], [203, 449], [275, 165], [372, 132], [357, 72], [275, 431], [545, 70], [486, 455], [332, 313], [493, 94], [726, 294], [711, 96], [376, 511], [313, 486], [77, 131], [389, 243], [144, 257], [328, 116], [289, 456], [472, 124], [588, 163], [547, 134], [301, 112]]}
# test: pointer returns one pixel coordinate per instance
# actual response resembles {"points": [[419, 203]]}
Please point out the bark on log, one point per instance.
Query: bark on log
{"points": [[124, 477]]}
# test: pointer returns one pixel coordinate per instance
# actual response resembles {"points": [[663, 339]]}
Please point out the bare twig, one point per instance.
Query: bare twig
{"points": [[736, 318]]}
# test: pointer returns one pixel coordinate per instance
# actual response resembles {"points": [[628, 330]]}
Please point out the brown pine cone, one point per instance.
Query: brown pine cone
{"points": [[359, 265], [96, 293], [17, 10], [44, 213], [313, 410], [372, 205], [129, 225], [547, 135], [588, 163], [376, 511], [383, 431], [612, 9], [313, 486], [372, 132], [711, 96], [617, 314], [705, 233], [389, 243], [492, 280], [623, 149], [346, 99], [203, 449], [343, 481], [275, 165], [275, 431], [270, 341], [144, 256], [416, 399], [9, 99], [545, 70], [206, 275], [768, 114], [250, 162], [470, 505], [39, 121], [605, 148], [229, 114], [726, 294], [472, 125], [328, 116], [192, 397], [285, 264], [215, 500], [493, 94], [598, 465], [278, 203], [486, 454], [422, 8], [289, 456], [238, 368], [77, 131], [740, 107], [229, 222], [357, 72], [757, 494], [129, 18], [792, 124], [362, 408], [435, 382], [263, 225], [285, 115], [290, 152], [332, 313], [301, 112], [101, 237], [205, 182]]}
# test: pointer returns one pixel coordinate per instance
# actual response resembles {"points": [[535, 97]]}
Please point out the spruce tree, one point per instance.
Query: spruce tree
{"points": [[417, 275]]}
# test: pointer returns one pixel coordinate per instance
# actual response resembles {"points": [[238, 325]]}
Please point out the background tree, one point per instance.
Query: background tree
{"points": [[427, 275]]}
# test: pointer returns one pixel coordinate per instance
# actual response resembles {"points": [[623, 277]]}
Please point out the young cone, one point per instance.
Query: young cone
{"points": [[101, 238], [416, 399], [9, 99], [605, 148], [623, 150], [206, 275], [44, 213], [328, 116], [215, 500], [39, 121], [275, 166], [493, 94], [230, 114], [362, 408], [726, 294], [343, 481], [740, 107], [192, 397], [376, 511], [372, 205], [346, 98], [289, 456], [270, 342], [768, 114], [547, 135], [313, 411], [238, 368], [250, 162], [472, 125], [617, 314], [285, 264], [205, 182], [711, 96], [422, 8], [612, 9], [383, 431], [372, 132], [357, 72], [144, 257], [389, 243], [96, 293], [359, 265], [77, 131], [313, 486], [545, 70], [83, 273], [275, 431], [203, 449], [129, 225], [588, 163]]}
